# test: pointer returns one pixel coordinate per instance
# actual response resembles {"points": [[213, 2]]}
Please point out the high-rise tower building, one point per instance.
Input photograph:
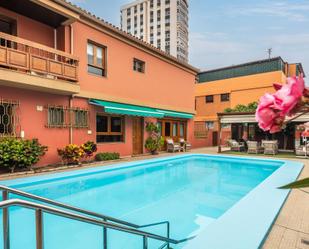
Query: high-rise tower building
{"points": [[162, 23]]}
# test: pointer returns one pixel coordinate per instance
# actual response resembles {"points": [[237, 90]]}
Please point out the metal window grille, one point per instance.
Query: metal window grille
{"points": [[200, 130], [9, 118], [81, 118], [63, 117]]}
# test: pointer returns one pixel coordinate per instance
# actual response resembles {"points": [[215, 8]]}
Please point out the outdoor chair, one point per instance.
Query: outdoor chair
{"points": [[236, 146], [254, 147], [184, 145], [171, 146], [270, 147], [301, 150]]}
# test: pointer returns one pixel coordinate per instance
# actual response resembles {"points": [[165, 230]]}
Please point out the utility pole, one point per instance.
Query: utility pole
{"points": [[269, 51]]}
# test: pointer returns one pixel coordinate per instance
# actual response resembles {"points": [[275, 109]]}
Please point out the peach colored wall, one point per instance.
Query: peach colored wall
{"points": [[249, 95], [162, 83], [243, 90], [204, 108], [33, 122], [30, 29]]}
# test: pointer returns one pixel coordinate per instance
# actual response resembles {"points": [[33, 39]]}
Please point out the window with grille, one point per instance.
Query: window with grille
{"points": [[9, 118], [62, 117], [56, 117], [96, 55], [200, 130], [80, 118], [138, 65]]}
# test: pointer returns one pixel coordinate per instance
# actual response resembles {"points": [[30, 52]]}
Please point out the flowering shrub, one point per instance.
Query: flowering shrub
{"points": [[289, 99], [74, 153], [89, 148], [286, 101], [71, 153], [18, 153], [154, 142]]}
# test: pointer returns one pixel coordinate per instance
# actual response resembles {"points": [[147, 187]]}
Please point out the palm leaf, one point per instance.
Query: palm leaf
{"points": [[303, 183]]}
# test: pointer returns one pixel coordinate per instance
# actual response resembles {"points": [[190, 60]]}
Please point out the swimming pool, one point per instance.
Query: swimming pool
{"points": [[222, 200]]}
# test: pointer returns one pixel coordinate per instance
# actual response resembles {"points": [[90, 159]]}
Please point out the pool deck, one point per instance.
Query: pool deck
{"points": [[291, 228]]}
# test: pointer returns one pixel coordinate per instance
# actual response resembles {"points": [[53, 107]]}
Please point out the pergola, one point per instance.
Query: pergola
{"points": [[245, 118]]}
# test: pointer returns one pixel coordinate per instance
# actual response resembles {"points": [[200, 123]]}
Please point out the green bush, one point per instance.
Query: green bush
{"points": [[18, 153], [107, 156]]}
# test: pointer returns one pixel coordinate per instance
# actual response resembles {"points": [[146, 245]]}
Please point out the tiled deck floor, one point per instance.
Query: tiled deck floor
{"points": [[292, 224]]}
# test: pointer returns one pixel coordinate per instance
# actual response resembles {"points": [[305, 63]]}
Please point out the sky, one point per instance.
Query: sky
{"points": [[229, 32]]}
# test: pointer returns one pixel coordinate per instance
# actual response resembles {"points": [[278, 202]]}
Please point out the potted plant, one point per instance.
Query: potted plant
{"points": [[155, 141]]}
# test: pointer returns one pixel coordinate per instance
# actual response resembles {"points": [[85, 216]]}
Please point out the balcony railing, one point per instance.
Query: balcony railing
{"points": [[36, 59]]}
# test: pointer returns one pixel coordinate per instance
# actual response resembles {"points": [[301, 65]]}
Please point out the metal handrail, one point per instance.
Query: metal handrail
{"points": [[40, 209], [5, 196], [76, 209]]}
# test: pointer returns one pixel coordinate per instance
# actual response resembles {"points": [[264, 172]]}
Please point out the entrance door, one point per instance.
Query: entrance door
{"points": [[137, 135], [214, 138]]}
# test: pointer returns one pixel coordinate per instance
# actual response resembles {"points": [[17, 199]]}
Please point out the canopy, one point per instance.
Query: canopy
{"points": [[134, 110], [126, 109]]}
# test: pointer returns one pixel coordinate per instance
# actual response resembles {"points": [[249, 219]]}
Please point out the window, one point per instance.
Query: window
{"points": [[225, 97], [200, 130], [167, 129], [96, 59], [80, 118], [56, 117], [138, 65], [109, 128], [62, 117], [209, 124], [8, 118], [175, 129], [209, 99]]}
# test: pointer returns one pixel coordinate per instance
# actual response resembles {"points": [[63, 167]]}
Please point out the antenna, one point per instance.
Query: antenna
{"points": [[269, 52]]}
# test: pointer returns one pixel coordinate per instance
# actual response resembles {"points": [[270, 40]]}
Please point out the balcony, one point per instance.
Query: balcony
{"points": [[27, 64]]}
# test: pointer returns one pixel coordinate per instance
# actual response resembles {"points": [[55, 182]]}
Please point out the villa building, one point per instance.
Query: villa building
{"points": [[67, 76], [162, 23], [219, 89]]}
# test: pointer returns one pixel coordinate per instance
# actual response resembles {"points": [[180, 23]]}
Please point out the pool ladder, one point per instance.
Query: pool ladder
{"points": [[78, 214]]}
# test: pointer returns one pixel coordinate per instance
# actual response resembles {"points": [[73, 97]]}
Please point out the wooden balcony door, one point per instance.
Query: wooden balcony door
{"points": [[137, 126]]}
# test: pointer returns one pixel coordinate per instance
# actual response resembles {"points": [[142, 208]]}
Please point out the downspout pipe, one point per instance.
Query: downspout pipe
{"points": [[72, 96]]}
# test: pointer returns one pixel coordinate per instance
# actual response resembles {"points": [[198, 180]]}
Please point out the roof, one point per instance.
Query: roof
{"points": [[249, 68], [102, 23]]}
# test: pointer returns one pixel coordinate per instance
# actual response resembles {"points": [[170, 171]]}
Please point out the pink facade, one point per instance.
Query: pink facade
{"points": [[165, 84]]}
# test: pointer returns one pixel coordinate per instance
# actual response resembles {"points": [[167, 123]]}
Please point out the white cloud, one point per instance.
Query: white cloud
{"points": [[292, 11], [210, 50]]}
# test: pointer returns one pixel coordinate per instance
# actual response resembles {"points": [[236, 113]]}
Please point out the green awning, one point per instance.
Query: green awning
{"points": [[126, 109], [176, 114], [135, 110]]}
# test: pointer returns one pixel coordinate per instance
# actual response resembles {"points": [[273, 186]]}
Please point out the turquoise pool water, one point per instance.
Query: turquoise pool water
{"points": [[191, 192]]}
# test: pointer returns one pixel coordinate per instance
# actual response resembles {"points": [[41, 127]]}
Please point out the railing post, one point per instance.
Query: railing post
{"points": [[104, 236], [145, 242], [168, 234], [6, 222], [39, 229]]}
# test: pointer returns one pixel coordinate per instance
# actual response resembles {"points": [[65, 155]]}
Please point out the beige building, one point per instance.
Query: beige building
{"points": [[162, 23]]}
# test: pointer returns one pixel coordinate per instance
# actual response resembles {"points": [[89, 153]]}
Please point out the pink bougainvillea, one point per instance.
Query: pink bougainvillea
{"points": [[286, 101]]}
